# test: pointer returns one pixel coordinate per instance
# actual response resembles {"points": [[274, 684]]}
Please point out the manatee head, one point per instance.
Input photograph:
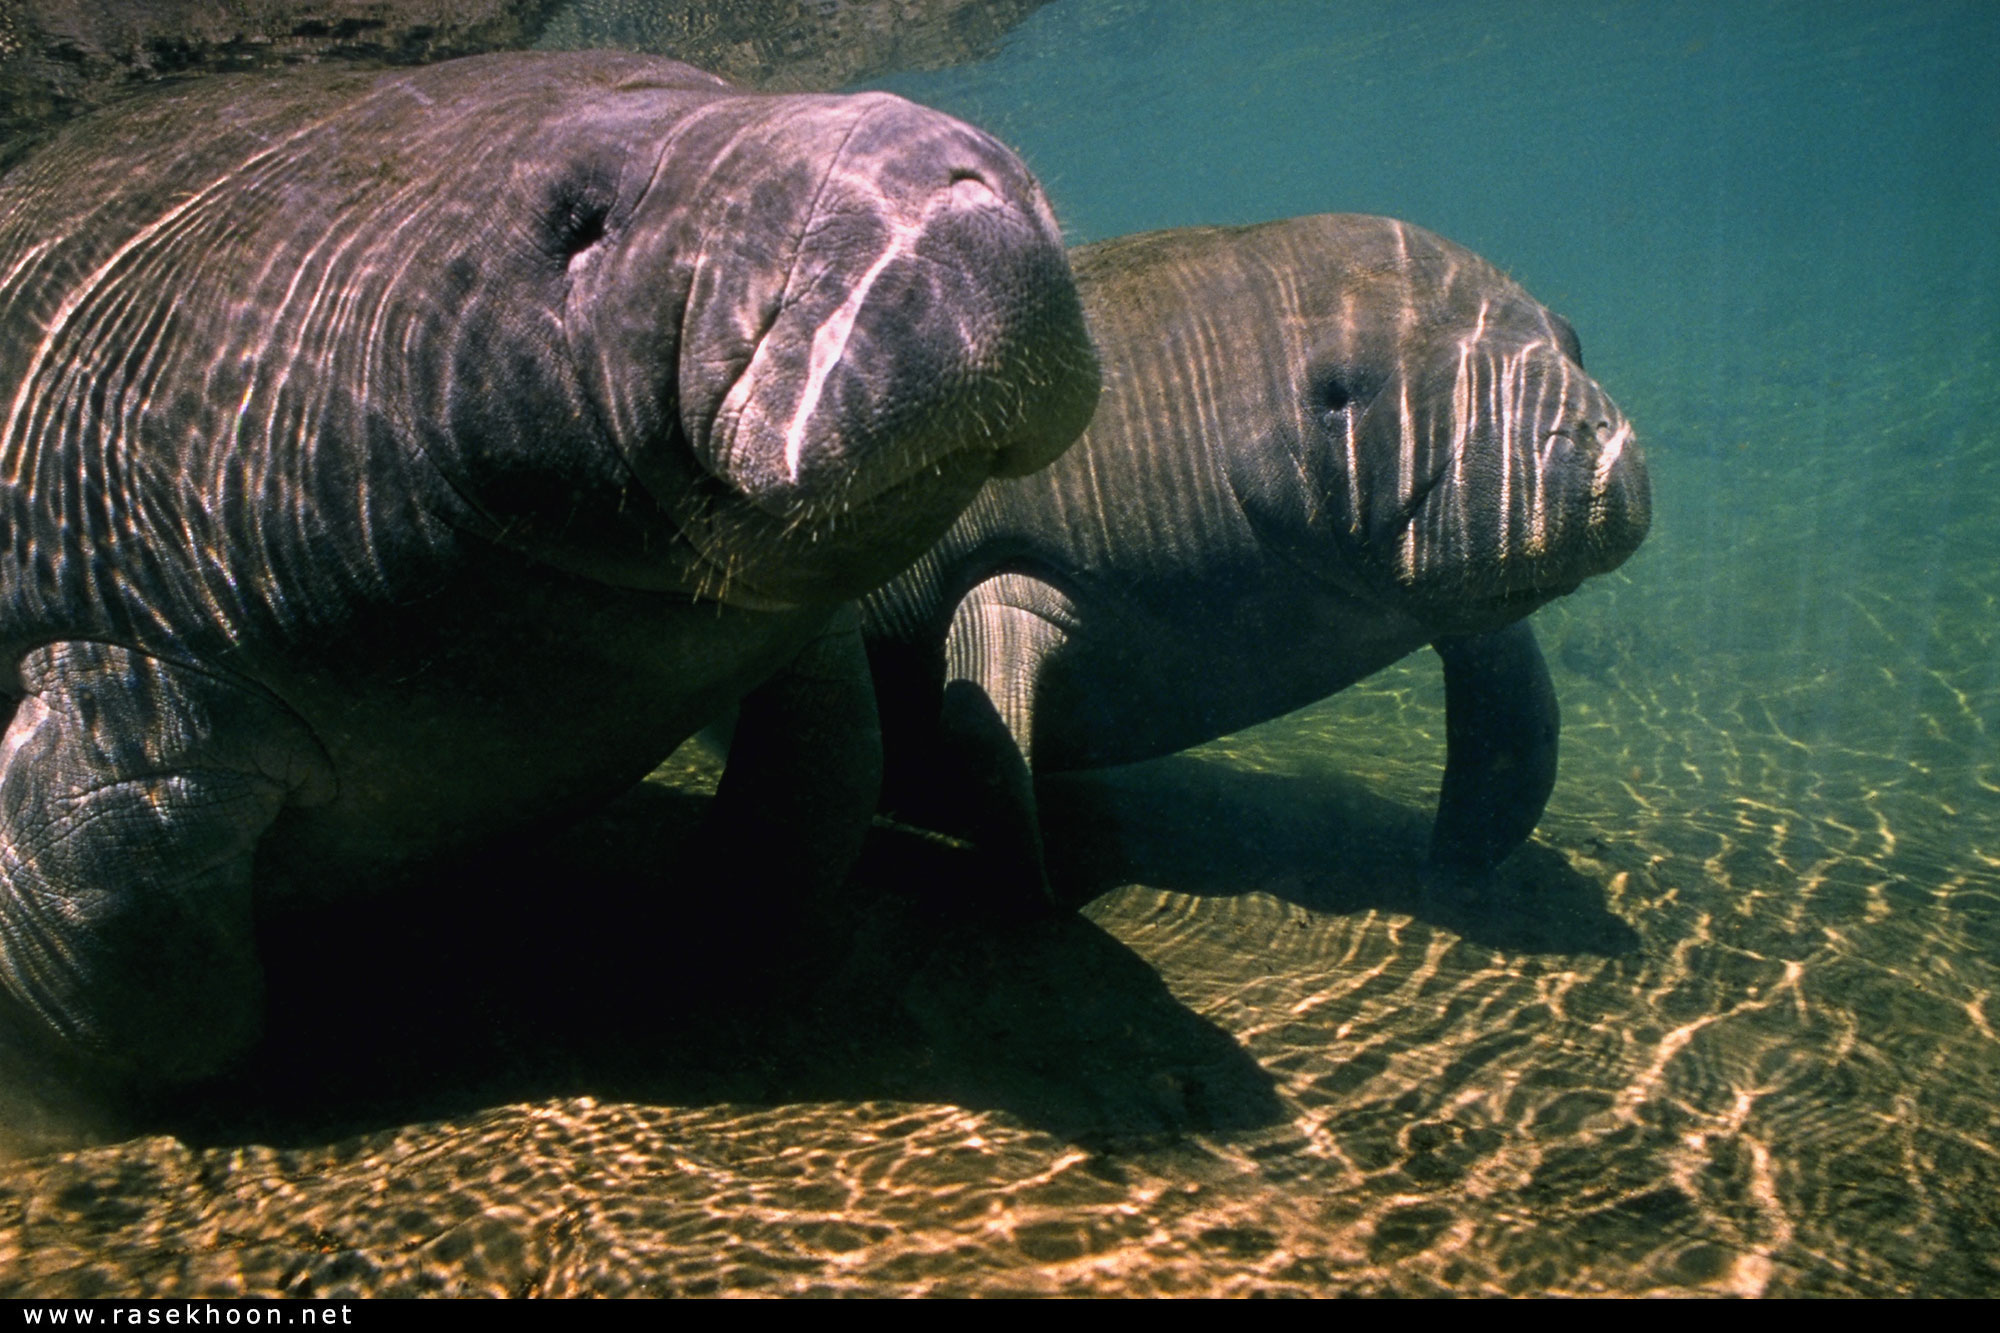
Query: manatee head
{"points": [[1446, 449], [821, 326]]}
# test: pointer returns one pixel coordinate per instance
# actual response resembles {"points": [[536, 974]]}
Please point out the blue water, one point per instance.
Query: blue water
{"points": [[1726, 199], [1729, 1024], [1664, 172], [1774, 225]]}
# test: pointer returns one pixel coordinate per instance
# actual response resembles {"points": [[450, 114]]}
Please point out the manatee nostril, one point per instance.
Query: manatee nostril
{"points": [[1569, 442], [587, 231], [968, 189], [577, 230]]}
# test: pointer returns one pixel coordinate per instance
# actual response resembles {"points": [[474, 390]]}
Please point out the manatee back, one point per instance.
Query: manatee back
{"points": [[240, 319]]}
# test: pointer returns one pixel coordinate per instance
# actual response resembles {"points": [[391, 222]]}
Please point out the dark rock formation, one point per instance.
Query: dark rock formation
{"points": [[795, 45], [61, 58]]}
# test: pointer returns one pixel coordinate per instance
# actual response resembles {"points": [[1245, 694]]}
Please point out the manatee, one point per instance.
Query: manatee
{"points": [[1323, 443], [397, 462]]}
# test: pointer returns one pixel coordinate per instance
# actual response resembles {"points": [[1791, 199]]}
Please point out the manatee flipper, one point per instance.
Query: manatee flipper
{"points": [[804, 770], [1001, 634], [1501, 726], [132, 795]]}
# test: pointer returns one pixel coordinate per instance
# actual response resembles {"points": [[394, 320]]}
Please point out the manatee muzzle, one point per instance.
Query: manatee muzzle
{"points": [[904, 341], [927, 335], [1521, 480]]}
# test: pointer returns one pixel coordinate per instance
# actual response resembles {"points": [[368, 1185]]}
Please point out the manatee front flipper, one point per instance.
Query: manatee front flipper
{"points": [[1001, 634], [132, 795], [1501, 724], [804, 770]]}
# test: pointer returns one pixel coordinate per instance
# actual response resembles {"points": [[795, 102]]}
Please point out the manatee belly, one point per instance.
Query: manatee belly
{"points": [[1140, 679], [503, 708]]}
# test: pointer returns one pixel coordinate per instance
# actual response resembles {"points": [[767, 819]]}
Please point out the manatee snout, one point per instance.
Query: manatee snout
{"points": [[1599, 471], [1524, 479], [928, 328], [882, 327]]}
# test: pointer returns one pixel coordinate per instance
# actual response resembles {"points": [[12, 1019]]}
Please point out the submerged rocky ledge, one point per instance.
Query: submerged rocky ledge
{"points": [[61, 58]]}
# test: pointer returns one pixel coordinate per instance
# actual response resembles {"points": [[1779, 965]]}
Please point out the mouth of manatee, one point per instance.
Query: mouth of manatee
{"points": [[1467, 594], [749, 557], [900, 494], [891, 495], [973, 431]]}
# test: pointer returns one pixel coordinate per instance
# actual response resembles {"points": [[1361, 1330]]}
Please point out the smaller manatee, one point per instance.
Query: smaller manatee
{"points": [[1323, 443]]}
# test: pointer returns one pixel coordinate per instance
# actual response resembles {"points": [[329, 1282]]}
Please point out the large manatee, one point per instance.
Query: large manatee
{"points": [[1323, 443], [394, 462]]}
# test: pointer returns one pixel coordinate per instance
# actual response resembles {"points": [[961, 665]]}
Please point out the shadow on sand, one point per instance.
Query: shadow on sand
{"points": [[579, 967], [571, 970], [1326, 843]]}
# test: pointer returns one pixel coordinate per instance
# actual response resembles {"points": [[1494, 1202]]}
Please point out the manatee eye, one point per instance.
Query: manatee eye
{"points": [[1335, 391]]}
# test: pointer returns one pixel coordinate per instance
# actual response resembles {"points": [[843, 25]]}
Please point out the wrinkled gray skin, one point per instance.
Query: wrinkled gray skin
{"points": [[1323, 443], [396, 462]]}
